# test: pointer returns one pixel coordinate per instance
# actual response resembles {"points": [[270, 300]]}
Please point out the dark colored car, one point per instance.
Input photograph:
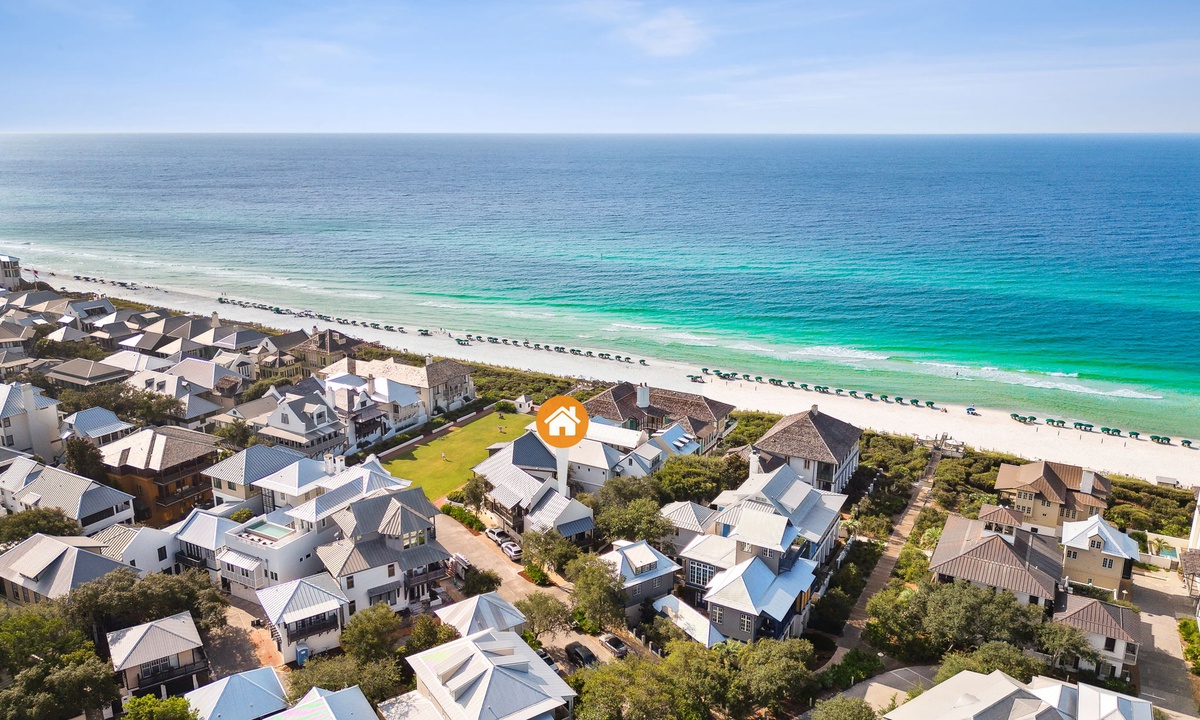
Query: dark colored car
{"points": [[580, 656]]}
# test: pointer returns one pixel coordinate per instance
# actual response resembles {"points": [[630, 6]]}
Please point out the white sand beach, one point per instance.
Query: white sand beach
{"points": [[993, 429]]}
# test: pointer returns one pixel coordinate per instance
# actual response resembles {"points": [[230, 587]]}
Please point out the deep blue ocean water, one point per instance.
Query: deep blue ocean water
{"points": [[1057, 275]]}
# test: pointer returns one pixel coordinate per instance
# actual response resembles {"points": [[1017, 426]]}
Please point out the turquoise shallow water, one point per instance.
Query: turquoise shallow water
{"points": [[1056, 275]]}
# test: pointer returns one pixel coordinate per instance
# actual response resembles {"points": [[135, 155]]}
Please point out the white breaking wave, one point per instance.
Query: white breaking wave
{"points": [[1011, 377], [695, 340], [836, 352], [626, 326], [749, 347]]}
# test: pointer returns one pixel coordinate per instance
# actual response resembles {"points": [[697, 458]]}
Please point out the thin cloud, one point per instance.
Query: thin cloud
{"points": [[669, 32]]}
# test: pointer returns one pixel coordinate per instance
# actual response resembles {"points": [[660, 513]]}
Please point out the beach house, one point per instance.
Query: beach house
{"points": [[641, 407], [98, 426], [1113, 630], [45, 567], [526, 493], [233, 479], [372, 408], [80, 374], [163, 657], [488, 611], [1027, 564], [200, 536], [194, 406], [250, 695], [10, 272], [1049, 494], [323, 348], [306, 616], [690, 521], [442, 384], [821, 449], [1096, 553], [29, 420], [145, 549], [87, 502], [321, 704], [646, 574], [162, 468], [301, 421], [486, 675], [388, 552]]}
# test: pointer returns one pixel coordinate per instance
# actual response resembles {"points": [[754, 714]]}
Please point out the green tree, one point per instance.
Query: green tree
{"points": [[772, 673], [544, 613], [844, 708], [474, 492], [751, 426], [690, 477], [238, 433], [372, 634], [427, 633], [991, 656], [27, 523], [37, 631], [85, 459], [598, 594], [479, 582], [548, 549], [1065, 644], [624, 489], [639, 520], [378, 680], [130, 403], [260, 387], [75, 684], [121, 599], [698, 679], [243, 515], [151, 707]]}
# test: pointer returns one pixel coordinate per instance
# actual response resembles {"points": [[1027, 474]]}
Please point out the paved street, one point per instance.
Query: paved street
{"points": [[1165, 679]]}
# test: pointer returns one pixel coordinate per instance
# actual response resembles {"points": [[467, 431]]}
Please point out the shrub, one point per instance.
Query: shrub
{"points": [[831, 611], [241, 516], [1191, 643], [466, 517], [479, 582], [913, 565], [455, 496], [537, 575], [855, 667], [505, 406]]}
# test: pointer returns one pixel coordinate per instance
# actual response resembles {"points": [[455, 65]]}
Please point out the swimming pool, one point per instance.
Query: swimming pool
{"points": [[268, 529]]}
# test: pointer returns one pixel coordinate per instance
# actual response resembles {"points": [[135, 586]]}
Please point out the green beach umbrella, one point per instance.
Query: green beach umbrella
{"points": [[869, 396], [1134, 434], [803, 386], [791, 383], [1186, 443], [883, 398], [928, 403], [915, 402], [853, 393]]}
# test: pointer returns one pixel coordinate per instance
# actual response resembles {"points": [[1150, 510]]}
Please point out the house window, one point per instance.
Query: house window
{"points": [[274, 576], [1106, 563], [747, 547], [807, 464], [766, 552], [352, 607], [349, 582], [716, 613], [643, 569], [392, 570], [1110, 644], [1045, 503], [283, 418], [1096, 543], [1072, 555], [635, 591], [657, 582], [162, 553], [154, 667], [747, 624], [699, 574]]}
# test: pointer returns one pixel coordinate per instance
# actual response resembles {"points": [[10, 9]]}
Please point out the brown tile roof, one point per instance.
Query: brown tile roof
{"points": [[1099, 618], [328, 341], [1030, 564], [694, 412], [1059, 483], [812, 435]]}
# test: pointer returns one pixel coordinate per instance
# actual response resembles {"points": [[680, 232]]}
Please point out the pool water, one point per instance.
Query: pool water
{"points": [[270, 530]]}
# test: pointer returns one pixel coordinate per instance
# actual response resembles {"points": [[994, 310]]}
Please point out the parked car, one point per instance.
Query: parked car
{"points": [[549, 660], [614, 644], [580, 655], [512, 550], [498, 535]]}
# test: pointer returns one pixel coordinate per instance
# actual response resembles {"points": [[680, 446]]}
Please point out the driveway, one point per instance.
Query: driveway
{"points": [[486, 555], [239, 646], [1165, 678]]}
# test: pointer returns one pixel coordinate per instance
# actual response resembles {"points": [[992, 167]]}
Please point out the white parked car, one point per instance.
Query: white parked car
{"points": [[512, 550], [497, 535]]}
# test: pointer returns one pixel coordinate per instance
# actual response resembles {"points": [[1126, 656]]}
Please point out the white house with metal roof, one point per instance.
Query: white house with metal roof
{"points": [[696, 624], [689, 519], [164, 657], [97, 425], [30, 420], [525, 493], [233, 478], [294, 484], [306, 615], [646, 574], [146, 549], [1096, 553], [488, 611], [822, 449], [92, 505], [200, 536], [250, 695], [486, 675], [45, 566]]}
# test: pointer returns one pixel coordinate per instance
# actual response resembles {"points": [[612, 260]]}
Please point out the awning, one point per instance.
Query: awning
{"points": [[574, 527], [385, 589], [238, 559]]}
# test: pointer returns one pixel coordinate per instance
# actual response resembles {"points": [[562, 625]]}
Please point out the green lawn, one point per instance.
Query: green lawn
{"points": [[465, 447]]}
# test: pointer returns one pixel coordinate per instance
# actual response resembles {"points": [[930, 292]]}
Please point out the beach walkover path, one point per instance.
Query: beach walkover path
{"points": [[852, 633]]}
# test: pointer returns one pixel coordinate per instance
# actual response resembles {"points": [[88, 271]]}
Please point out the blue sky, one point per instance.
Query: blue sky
{"points": [[873, 66]]}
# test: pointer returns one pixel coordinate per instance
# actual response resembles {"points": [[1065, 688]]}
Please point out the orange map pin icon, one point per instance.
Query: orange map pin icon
{"points": [[562, 422]]}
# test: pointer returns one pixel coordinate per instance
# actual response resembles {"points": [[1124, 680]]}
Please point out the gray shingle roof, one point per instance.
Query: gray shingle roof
{"points": [[158, 448], [811, 435], [694, 412]]}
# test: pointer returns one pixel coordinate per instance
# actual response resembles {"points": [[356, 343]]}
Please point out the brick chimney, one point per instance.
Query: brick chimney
{"points": [[351, 365], [814, 412]]}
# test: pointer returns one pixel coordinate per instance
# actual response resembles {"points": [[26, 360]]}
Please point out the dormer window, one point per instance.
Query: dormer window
{"points": [[283, 418], [643, 569], [1096, 543]]}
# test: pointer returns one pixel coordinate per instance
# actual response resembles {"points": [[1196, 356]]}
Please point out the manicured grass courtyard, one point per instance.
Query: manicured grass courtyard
{"points": [[465, 447]]}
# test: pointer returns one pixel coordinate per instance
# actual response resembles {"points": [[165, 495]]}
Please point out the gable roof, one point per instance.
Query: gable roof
{"points": [[1079, 534], [974, 696], [254, 463], [53, 566], [154, 640], [304, 598], [391, 511], [245, 696], [76, 496], [437, 373], [811, 435], [687, 515], [626, 557], [158, 448], [205, 374], [488, 611], [1098, 618], [1001, 515], [1030, 565], [203, 529], [752, 587], [1063, 484], [12, 401], [694, 412], [490, 675], [696, 624], [96, 422]]}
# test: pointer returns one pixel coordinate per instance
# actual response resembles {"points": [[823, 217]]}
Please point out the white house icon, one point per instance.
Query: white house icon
{"points": [[562, 422]]}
